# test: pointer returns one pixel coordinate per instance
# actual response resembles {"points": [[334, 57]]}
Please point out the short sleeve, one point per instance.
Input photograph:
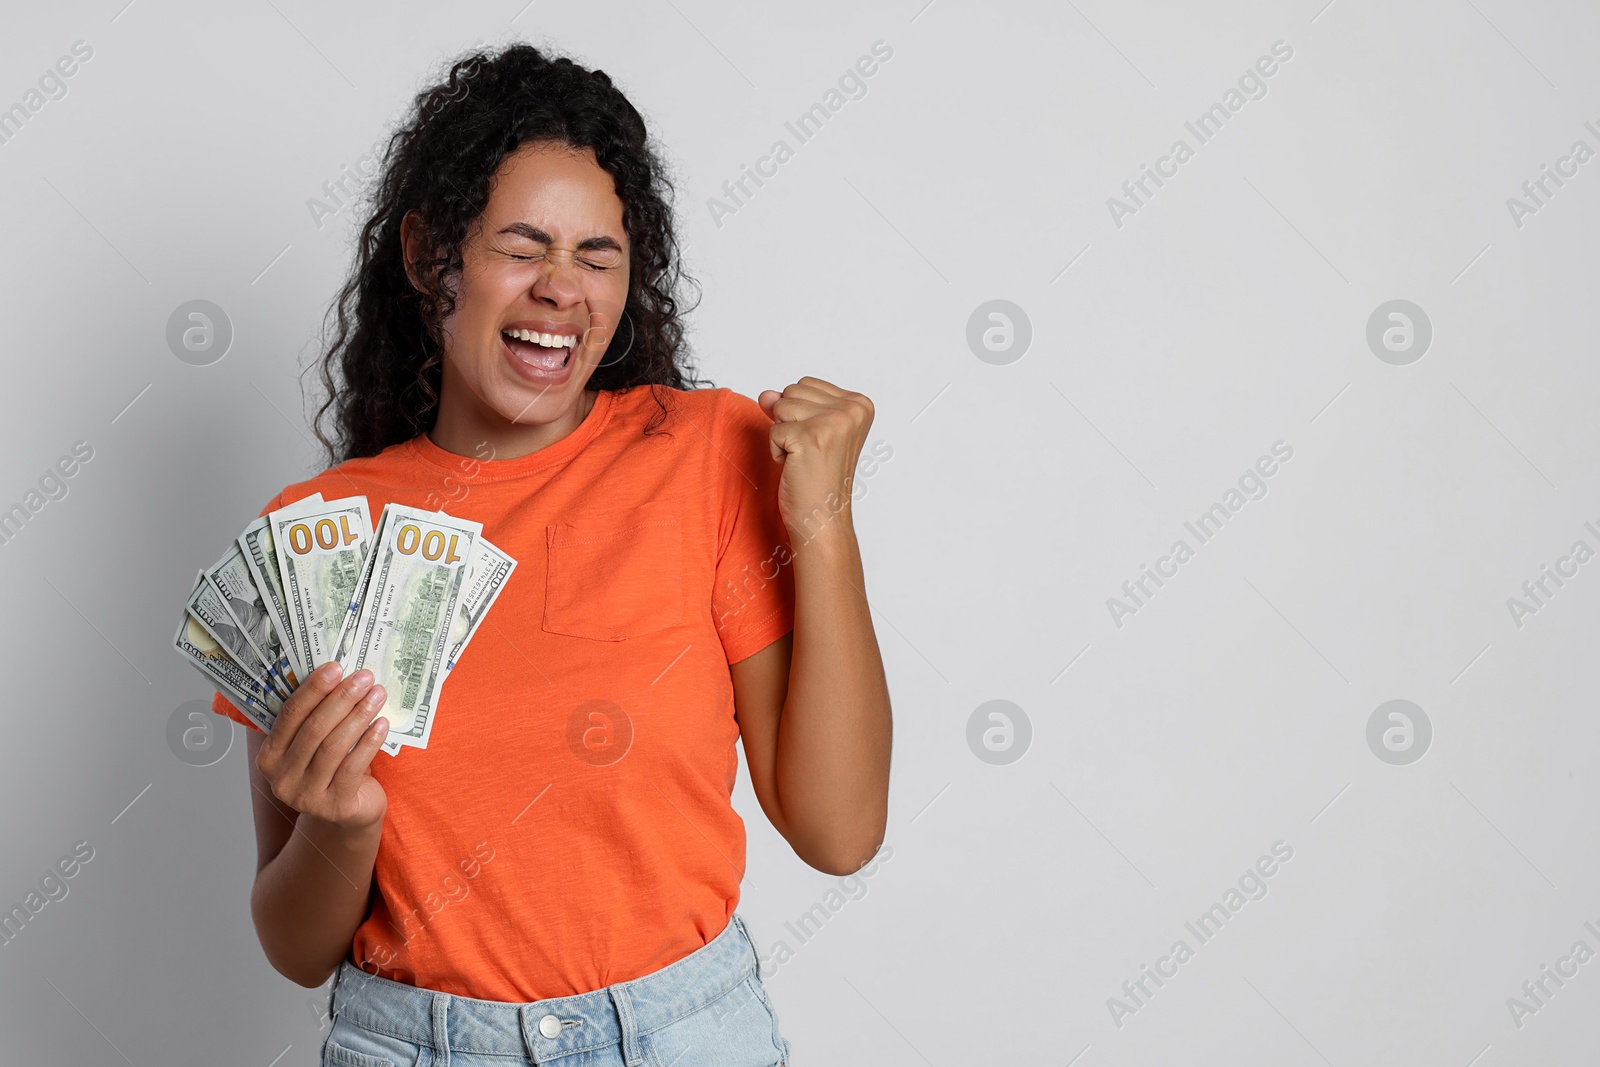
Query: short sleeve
{"points": [[219, 703], [754, 601], [223, 706]]}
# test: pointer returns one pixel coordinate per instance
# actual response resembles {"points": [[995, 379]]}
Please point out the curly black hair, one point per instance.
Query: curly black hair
{"points": [[382, 372]]}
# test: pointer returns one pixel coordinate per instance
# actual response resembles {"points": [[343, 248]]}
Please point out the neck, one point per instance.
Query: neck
{"points": [[486, 434]]}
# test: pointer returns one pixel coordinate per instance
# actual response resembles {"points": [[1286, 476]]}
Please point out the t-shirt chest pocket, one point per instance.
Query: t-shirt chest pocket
{"points": [[609, 579]]}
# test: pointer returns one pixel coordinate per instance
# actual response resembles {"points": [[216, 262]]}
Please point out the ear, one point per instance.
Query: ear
{"points": [[413, 240]]}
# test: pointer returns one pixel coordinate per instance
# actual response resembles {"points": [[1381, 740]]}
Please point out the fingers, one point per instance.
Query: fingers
{"points": [[327, 714], [848, 413], [822, 386], [301, 703], [358, 759], [799, 407], [336, 744], [802, 390], [822, 392]]}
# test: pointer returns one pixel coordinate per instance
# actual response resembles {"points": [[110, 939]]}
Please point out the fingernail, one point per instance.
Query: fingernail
{"points": [[331, 671], [374, 696], [383, 726], [362, 678]]}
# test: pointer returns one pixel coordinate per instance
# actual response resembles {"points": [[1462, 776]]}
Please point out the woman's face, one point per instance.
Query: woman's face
{"points": [[548, 256]]}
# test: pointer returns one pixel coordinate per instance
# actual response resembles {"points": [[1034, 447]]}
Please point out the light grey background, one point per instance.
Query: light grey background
{"points": [[1168, 354]]}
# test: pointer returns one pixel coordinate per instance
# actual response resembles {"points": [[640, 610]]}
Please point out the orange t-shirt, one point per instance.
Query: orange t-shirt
{"points": [[569, 825]]}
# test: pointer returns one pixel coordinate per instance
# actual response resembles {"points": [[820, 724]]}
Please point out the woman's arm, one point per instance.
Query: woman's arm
{"points": [[813, 710], [318, 815], [814, 706]]}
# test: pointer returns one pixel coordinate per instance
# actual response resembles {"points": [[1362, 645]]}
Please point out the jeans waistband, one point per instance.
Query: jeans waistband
{"points": [[545, 1029]]}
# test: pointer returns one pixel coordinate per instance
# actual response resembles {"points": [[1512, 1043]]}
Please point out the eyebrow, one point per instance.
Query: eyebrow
{"points": [[533, 233]]}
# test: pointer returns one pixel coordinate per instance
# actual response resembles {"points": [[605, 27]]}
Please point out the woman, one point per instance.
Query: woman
{"points": [[556, 874]]}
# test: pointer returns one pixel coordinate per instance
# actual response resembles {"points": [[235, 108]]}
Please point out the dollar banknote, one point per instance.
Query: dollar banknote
{"points": [[487, 574], [403, 631], [314, 581], [262, 558], [249, 694], [321, 548], [231, 576], [347, 629], [210, 609]]}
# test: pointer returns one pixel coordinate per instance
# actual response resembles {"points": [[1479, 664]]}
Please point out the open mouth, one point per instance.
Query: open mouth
{"points": [[549, 351]]}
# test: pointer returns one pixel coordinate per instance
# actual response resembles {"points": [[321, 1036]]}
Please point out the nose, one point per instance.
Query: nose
{"points": [[557, 279]]}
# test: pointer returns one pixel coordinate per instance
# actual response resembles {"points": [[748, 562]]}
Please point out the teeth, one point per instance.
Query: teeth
{"points": [[547, 340]]}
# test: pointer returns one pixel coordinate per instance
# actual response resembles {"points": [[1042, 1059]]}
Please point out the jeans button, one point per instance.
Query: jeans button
{"points": [[550, 1026]]}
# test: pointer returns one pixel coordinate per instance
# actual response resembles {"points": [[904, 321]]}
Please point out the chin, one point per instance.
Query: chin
{"points": [[522, 403]]}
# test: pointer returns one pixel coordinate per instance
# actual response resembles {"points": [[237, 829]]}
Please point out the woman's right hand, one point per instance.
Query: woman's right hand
{"points": [[308, 756]]}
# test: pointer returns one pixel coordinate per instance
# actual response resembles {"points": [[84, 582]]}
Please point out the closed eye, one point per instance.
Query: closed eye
{"points": [[587, 263]]}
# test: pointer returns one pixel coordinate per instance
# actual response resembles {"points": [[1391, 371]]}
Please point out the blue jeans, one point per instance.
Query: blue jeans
{"points": [[708, 1009]]}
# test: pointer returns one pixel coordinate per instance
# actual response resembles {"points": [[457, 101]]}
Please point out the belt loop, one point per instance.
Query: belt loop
{"points": [[441, 1029], [749, 939], [630, 1030], [333, 991]]}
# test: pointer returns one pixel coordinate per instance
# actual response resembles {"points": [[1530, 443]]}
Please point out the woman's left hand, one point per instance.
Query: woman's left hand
{"points": [[818, 432]]}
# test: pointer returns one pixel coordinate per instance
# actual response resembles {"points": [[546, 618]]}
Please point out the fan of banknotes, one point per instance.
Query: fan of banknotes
{"points": [[314, 581]]}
